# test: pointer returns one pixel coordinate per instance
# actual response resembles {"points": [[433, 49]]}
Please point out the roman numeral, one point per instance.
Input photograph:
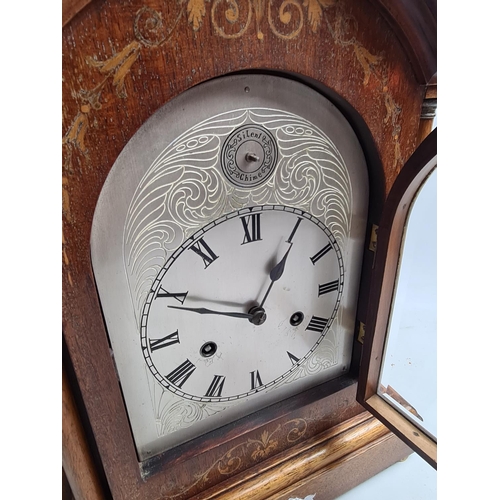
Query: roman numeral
{"points": [[292, 234], [332, 286], [181, 297], [216, 386], [155, 344], [293, 359], [317, 324], [181, 373], [255, 379], [251, 226], [321, 253], [208, 257]]}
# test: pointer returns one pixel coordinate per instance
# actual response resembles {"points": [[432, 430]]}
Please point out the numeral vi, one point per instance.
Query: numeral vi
{"points": [[255, 379]]}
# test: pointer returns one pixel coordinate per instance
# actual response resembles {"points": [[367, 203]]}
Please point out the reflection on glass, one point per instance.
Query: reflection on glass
{"points": [[409, 369]]}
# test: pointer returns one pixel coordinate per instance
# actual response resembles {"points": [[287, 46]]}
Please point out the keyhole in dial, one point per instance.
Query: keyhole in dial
{"points": [[208, 349], [296, 318]]}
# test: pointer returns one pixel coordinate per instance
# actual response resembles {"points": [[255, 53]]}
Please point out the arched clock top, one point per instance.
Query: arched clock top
{"points": [[116, 79]]}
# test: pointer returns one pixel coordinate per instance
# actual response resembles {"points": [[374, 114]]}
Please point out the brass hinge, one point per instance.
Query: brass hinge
{"points": [[361, 333], [373, 238]]}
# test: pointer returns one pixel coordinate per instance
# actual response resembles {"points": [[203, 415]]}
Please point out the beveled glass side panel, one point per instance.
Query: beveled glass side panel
{"points": [[408, 377]]}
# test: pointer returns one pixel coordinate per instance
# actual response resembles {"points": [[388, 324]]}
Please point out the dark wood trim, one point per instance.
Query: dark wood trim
{"points": [[340, 393], [390, 235], [70, 8], [78, 466], [431, 92], [427, 115], [415, 24]]}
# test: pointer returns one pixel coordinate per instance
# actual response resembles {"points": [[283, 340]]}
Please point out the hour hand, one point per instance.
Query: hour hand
{"points": [[204, 310], [276, 273]]}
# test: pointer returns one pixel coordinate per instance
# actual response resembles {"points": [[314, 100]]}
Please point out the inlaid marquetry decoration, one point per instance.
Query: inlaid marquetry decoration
{"points": [[286, 20], [253, 450]]}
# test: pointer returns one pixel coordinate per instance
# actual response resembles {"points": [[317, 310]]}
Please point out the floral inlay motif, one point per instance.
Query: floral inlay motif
{"points": [[286, 20], [258, 449]]}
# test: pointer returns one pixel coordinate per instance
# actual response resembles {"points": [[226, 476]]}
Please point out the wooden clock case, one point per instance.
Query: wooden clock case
{"points": [[376, 60]]}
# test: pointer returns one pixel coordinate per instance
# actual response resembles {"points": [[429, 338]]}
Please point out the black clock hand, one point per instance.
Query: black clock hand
{"points": [[204, 310], [276, 273]]}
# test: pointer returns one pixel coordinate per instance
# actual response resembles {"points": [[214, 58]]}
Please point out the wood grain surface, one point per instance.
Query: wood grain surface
{"points": [[305, 460]]}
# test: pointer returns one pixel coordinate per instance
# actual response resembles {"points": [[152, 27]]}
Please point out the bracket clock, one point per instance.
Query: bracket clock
{"points": [[226, 166]]}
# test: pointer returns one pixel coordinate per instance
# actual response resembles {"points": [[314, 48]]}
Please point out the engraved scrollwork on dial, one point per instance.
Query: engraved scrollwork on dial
{"points": [[185, 188], [173, 413]]}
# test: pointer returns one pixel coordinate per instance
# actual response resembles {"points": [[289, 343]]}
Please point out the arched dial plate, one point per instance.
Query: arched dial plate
{"points": [[196, 215]]}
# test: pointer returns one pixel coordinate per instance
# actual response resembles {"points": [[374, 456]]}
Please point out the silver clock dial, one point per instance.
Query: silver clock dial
{"points": [[194, 218], [226, 268]]}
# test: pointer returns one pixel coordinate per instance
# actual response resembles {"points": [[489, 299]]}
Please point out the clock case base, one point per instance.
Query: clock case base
{"points": [[328, 464]]}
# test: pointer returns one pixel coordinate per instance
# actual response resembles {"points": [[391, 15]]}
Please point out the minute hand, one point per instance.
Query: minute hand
{"points": [[276, 273], [204, 310]]}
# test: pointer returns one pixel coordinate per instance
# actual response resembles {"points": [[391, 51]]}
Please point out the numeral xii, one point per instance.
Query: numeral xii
{"points": [[251, 228]]}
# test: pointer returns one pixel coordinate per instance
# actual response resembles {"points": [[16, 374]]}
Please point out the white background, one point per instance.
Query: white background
{"points": [[412, 479]]}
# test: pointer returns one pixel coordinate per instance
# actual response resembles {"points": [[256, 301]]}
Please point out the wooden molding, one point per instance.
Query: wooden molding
{"points": [[415, 24], [349, 471], [431, 92], [389, 241], [76, 457], [298, 463]]}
